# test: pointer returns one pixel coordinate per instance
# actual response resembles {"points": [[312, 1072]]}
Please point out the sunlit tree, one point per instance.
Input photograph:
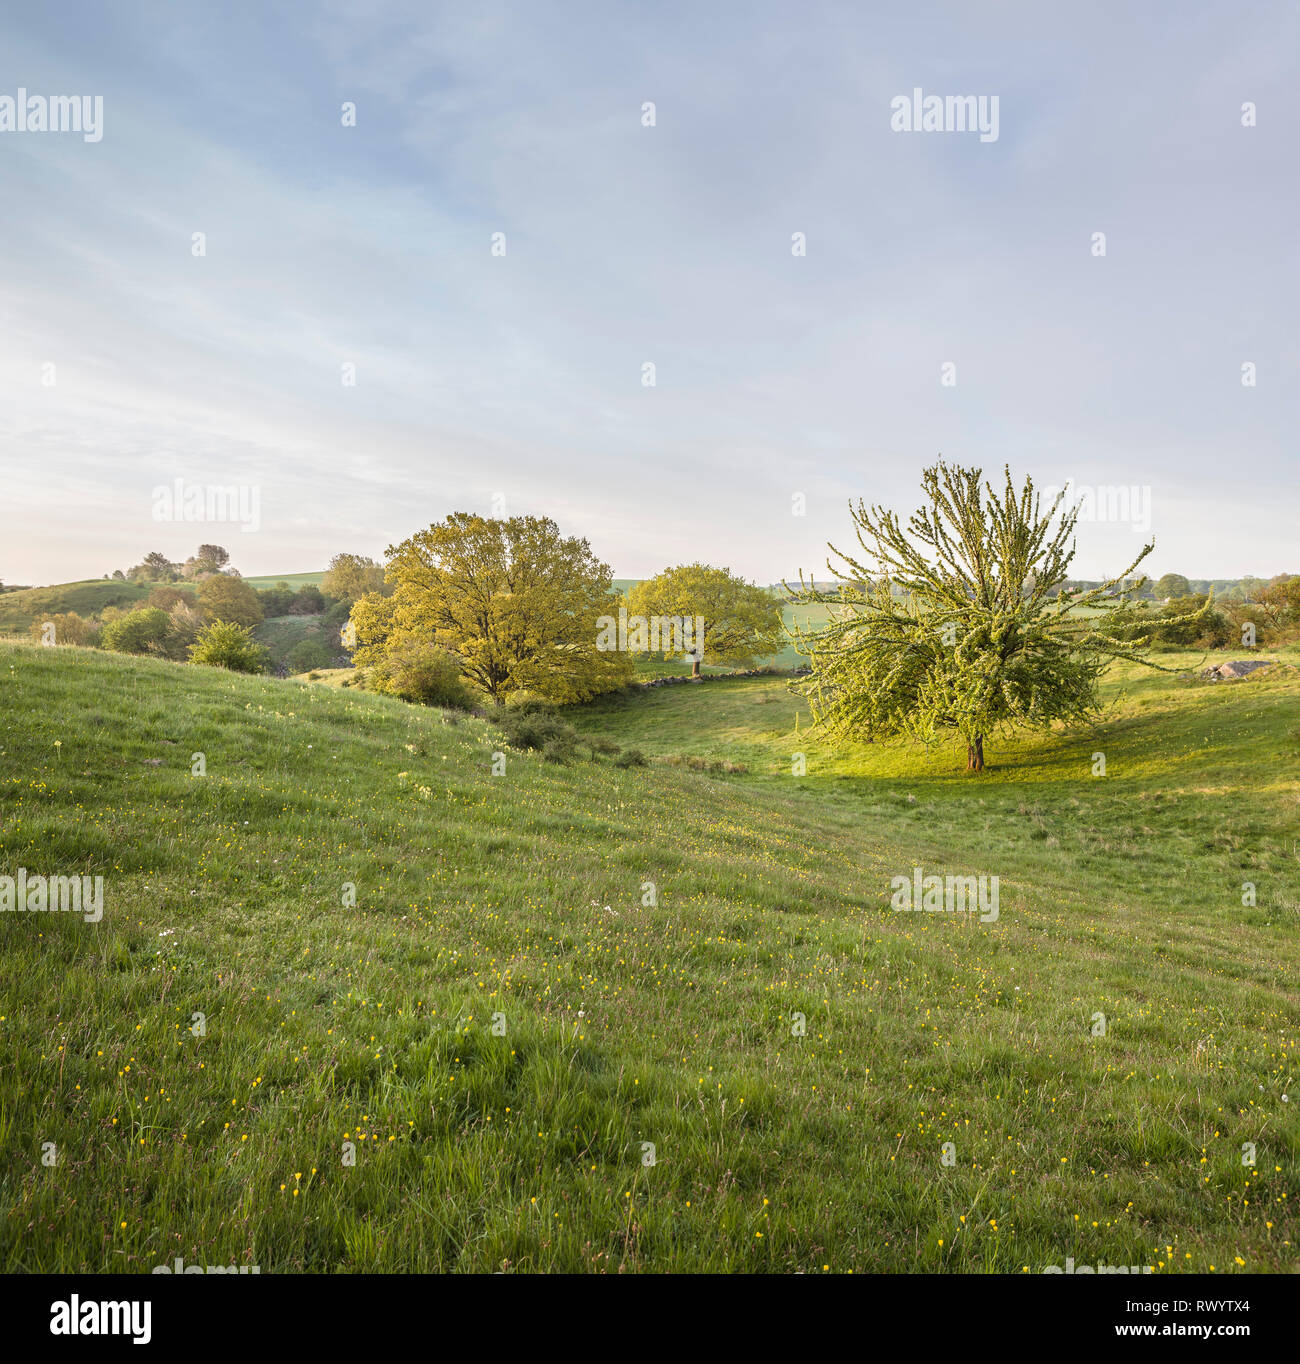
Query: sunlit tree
{"points": [[963, 629]]}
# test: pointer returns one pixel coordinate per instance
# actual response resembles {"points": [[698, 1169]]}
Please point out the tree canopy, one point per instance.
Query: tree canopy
{"points": [[742, 622], [962, 629], [1172, 585], [351, 576], [229, 599], [514, 600]]}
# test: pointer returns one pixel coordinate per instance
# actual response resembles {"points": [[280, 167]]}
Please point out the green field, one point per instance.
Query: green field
{"points": [[294, 580], [621, 1022]]}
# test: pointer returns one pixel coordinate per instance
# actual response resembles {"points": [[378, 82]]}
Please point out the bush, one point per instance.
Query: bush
{"points": [[183, 630], [225, 645], [1212, 631], [66, 627], [336, 617], [529, 703], [534, 729], [164, 597], [307, 655], [307, 601], [630, 757], [276, 601], [422, 673], [142, 631]]}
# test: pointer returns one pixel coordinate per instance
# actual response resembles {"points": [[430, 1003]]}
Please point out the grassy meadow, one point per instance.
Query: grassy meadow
{"points": [[464, 984], [294, 580]]}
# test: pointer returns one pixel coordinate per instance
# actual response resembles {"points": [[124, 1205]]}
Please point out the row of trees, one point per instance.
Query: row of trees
{"points": [[171, 623], [178, 635], [168, 623], [513, 607], [470, 608], [156, 567], [1197, 620], [1250, 590]]}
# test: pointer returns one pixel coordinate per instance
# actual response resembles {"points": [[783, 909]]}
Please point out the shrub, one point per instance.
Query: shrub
{"points": [[223, 644], [276, 601], [422, 673], [307, 601], [68, 628], [630, 757], [336, 616], [525, 729], [183, 630], [164, 597], [529, 703], [1212, 630], [142, 631]]}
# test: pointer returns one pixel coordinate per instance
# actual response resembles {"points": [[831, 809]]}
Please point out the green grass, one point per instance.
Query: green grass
{"points": [[295, 580], [667, 1023]]}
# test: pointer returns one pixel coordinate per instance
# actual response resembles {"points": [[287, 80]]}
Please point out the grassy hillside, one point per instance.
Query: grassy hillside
{"points": [[621, 1022], [281, 634], [19, 609]]}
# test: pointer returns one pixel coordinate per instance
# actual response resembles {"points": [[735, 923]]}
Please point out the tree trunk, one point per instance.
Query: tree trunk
{"points": [[695, 665], [975, 755]]}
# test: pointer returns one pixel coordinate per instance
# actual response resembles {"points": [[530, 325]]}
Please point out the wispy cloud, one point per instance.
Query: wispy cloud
{"points": [[521, 374]]}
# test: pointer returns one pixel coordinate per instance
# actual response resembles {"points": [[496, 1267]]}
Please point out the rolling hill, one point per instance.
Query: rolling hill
{"points": [[356, 1003], [20, 609]]}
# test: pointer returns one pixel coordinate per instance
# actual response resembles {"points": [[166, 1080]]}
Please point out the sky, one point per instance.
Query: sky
{"points": [[785, 385]]}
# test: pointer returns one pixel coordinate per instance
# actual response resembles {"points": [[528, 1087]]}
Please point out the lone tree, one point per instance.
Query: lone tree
{"points": [[514, 600], [742, 622], [962, 629]]}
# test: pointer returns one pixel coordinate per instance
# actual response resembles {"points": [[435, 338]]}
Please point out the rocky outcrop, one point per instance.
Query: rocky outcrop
{"points": [[1237, 669]]}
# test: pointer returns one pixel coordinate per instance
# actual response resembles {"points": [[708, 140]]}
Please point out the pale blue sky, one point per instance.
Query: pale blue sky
{"points": [[521, 376]]}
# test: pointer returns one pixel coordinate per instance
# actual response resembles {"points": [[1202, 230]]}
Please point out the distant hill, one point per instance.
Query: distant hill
{"points": [[18, 610], [295, 580]]}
